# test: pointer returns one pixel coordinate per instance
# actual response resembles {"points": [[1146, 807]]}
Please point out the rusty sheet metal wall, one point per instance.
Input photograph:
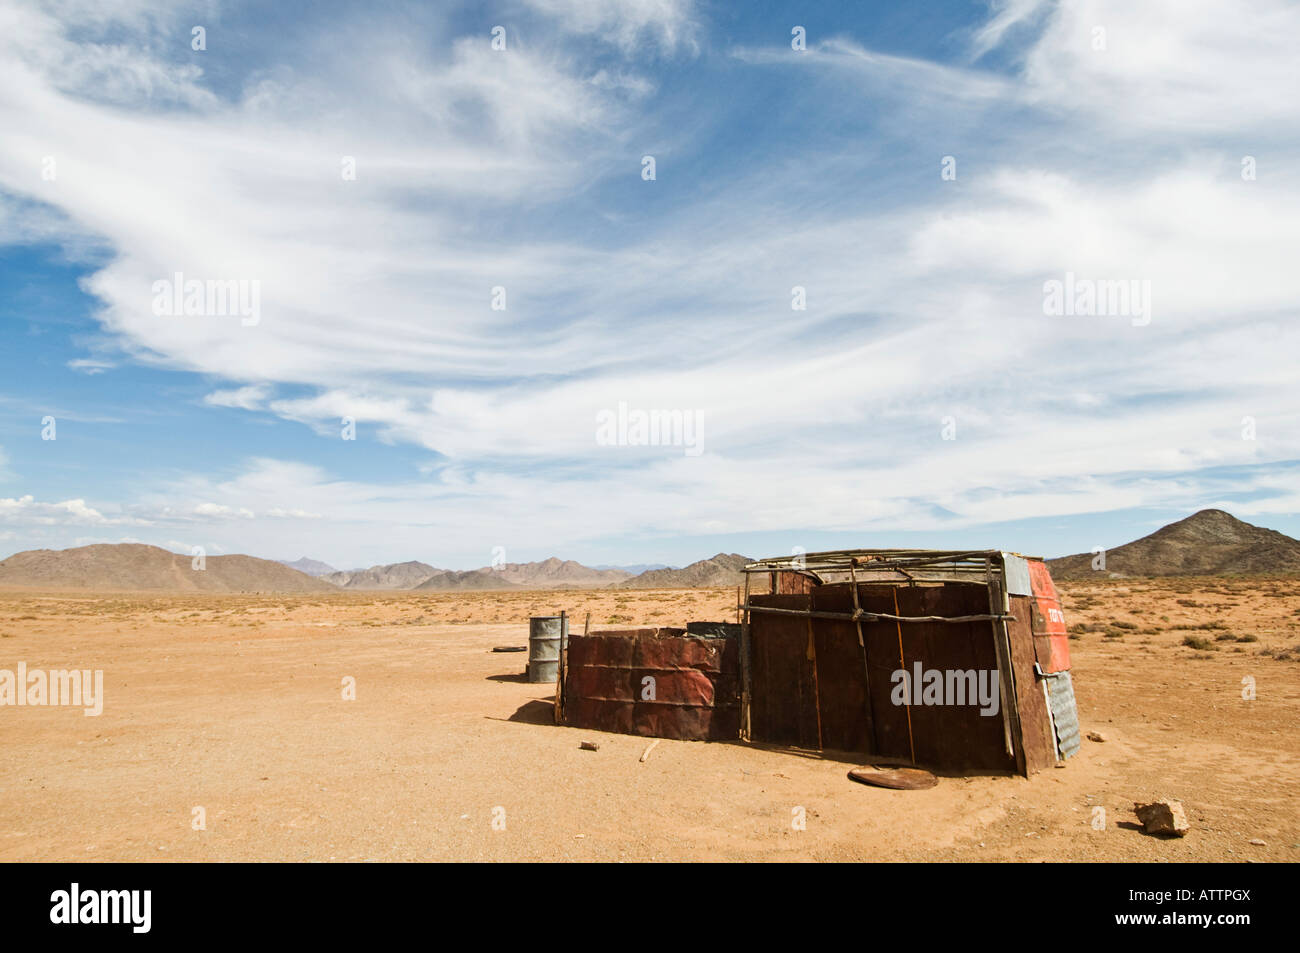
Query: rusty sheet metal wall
{"points": [[843, 714], [783, 677], [950, 737], [1051, 643], [809, 687], [696, 684], [1035, 724], [791, 583]]}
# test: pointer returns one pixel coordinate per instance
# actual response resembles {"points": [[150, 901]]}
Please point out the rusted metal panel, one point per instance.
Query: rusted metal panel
{"points": [[891, 733], [783, 688], [655, 682], [1051, 643], [830, 709], [1035, 723], [843, 716], [792, 583], [951, 736]]}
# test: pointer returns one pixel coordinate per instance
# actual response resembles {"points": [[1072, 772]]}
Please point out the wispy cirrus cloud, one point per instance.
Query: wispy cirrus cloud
{"points": [[519, 170]]}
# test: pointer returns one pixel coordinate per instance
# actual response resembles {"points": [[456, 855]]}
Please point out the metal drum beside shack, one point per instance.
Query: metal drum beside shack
{"points": [[546, 635]]}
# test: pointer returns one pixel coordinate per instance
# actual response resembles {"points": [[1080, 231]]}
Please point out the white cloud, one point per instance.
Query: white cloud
{"points": [[223, 512], [251, 397], [1008, 15], [91, 366], [1209, 66], [28, 511], [627, 24], [376, 292]]}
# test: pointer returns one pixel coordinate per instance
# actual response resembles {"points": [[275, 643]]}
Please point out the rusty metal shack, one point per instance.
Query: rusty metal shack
{"points": [[822, 649], [814, 663]]}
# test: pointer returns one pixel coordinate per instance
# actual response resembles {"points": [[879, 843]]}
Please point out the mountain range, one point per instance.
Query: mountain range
{"points": [[1210, 542]]}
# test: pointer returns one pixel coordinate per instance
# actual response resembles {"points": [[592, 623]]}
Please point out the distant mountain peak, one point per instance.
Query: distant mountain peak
{"points": [[312, 567], [724, 569], [138, 566], [1210, 542]]}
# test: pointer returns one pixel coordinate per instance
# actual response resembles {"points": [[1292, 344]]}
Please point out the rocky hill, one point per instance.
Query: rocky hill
{"points": [[555, 573], [1208, 543], [724, 569], [135, 566], [405, 575], [469, 579]]}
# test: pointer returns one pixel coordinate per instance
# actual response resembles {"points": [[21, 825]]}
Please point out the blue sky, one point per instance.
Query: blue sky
{"points": [[924, 396]]}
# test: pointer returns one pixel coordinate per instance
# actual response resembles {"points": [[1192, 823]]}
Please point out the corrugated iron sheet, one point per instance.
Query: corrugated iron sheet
{"points": [[1065, 714]]}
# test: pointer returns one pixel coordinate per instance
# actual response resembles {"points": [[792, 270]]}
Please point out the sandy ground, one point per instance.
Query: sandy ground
{"points": [[233, 704]]}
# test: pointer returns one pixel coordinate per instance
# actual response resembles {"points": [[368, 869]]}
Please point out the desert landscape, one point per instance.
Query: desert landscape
{"points": [[229, 708]]}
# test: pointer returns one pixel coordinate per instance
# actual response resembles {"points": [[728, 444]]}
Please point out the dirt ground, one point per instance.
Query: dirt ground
{"points": [[234, 704]]}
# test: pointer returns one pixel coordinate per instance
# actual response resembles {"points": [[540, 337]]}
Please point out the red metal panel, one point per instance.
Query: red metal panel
{"points": [[696, 683], [1051, 643]]}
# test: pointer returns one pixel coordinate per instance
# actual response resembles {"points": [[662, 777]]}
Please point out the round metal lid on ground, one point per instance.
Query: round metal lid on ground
{"points": [[900, 779]]}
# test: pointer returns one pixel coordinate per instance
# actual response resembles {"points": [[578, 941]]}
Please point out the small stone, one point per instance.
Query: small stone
{"points": [[1257, 842], [1165, 818], [1096, 736]]}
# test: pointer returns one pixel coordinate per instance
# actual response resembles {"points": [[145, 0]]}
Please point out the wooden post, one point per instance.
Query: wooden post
{"points": [[866, 668], [1011, 728], [745, 725], [559, 675]]}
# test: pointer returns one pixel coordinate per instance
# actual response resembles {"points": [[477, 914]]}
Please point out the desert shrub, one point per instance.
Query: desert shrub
{"points": [[1197, 642], [1248, 638]]}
